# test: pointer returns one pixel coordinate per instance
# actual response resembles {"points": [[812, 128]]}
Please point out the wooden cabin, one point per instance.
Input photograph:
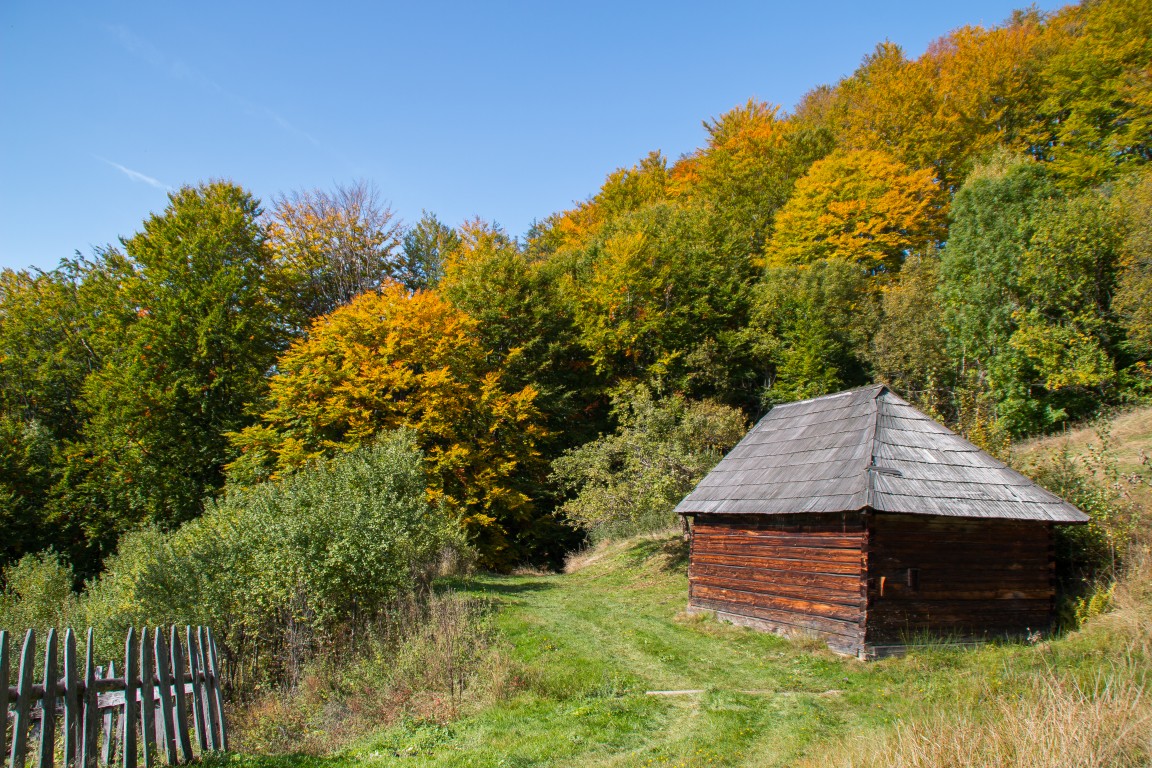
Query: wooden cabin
{"points": [[857, 518]]}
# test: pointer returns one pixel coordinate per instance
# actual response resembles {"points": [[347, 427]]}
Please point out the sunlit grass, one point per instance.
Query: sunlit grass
{"points": [[580, 652]]}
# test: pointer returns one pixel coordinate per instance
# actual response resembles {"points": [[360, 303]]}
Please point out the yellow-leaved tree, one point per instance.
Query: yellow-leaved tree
{"points": [[391, 359], [863, 206]]}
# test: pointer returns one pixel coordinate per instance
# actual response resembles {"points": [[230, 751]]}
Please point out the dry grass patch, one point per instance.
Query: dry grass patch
{"points": [[426, 659], [1055, 722]]}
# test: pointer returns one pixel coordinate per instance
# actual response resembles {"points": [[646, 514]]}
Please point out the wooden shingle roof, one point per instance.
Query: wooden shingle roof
{"points": [[867, 449]]}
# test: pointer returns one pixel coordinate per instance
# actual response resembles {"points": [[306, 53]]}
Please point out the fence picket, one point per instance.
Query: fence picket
{"points": [[4, 692], [23, 701], [213, 716], [48, 706], [147, 701], [199, 706], [108, 749], [90, 722], [181, 713], [163, 672], [131, 689], [217, 691], [71, 699]]}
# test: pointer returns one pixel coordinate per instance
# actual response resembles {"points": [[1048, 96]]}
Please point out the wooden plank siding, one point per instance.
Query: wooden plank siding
{"points": [[846, 577], [972, 578], [802, 573]]}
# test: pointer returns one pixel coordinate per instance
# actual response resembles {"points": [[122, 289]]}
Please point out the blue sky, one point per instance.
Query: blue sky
{"points": [[508, 111]]}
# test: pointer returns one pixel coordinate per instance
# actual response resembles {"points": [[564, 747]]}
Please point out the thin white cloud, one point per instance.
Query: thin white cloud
{"points": [[181, 71], [136, 175]]}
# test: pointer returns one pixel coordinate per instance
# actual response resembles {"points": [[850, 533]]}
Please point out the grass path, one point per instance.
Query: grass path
{"points": [[587, 646]]}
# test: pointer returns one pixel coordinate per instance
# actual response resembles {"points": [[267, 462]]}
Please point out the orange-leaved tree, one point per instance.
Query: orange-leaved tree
{"points": [[865, 207], [391, 359], [972, 91]]}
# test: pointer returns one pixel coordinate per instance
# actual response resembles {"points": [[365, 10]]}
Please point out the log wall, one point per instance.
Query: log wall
{"points": [[784, 573], [957, 577]]}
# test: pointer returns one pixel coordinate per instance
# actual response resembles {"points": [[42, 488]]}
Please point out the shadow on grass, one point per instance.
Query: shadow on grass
{"points": [[233, 760], [498, 586]]}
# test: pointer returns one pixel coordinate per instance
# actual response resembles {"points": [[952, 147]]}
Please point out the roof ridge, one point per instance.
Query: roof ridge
{"points": [[871, 439]]}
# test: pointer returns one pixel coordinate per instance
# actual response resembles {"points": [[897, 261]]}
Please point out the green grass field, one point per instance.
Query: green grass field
{"points": [[585, 648]]}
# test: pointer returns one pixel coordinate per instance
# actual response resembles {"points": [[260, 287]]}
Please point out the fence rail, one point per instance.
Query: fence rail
{"points": [[105, 719]]}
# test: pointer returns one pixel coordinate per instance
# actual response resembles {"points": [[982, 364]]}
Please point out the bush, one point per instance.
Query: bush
{"points": [[37, 594], [629, 482], [280, 569], [1093, 482]]}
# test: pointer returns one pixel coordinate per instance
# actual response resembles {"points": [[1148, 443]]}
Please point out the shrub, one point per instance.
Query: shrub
{"points": [[283, 568], [1093, 482], [37, 594], [629, 482]]}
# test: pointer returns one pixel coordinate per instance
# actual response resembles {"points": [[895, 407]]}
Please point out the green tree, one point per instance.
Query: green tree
{"points": [[629, 481], [197, 334], [524, 325], [1067, 279], [1133, 302], [1096, 115], [813, 325], [53, 335], [909, 349], [746, 171], [1027, 279], [624, 191], [426, 246], [656, 293], [27, 474]]}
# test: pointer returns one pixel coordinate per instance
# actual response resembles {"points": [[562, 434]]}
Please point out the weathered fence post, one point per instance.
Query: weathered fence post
{"points": [[108, 748], [48, 707], [23, 701], [178, 671], [217, 691], [199, 706], [166, 714], [147, 700], [213, 713], [131, 689], [71, 700], [91, 722]]}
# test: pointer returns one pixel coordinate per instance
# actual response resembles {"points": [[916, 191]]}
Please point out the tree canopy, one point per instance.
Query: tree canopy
{"points": [[970, 225]]}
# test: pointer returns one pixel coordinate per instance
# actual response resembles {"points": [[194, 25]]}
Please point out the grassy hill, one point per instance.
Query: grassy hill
{"points": [[600, 666]]}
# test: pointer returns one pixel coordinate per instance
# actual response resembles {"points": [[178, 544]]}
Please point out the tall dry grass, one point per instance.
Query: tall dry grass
{"points": [[1054, 721], [422, 658]]}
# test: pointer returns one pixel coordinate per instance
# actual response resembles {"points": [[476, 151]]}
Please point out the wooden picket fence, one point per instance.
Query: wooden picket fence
{"points": [[102, 719]]}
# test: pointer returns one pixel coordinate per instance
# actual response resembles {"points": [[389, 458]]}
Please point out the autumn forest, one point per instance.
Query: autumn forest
{"points": [[972, 227]]}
